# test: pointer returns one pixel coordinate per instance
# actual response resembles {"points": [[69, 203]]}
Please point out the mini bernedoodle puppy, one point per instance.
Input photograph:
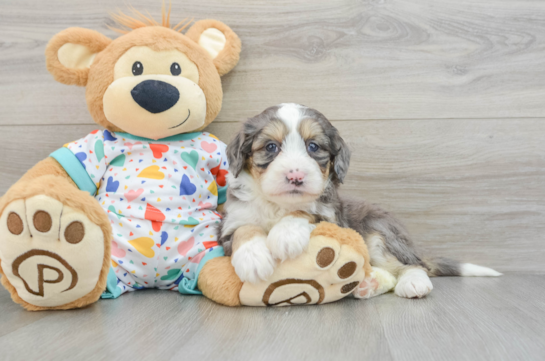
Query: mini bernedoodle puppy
{"points": [[286, 167]]}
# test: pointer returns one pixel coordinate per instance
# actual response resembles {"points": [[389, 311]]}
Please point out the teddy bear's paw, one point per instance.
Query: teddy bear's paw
{"points": [[327, 271], [51, 254]]}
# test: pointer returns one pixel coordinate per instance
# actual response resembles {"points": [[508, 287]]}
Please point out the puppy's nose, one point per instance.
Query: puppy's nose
{"points": [[155, 96], [296, 177]]}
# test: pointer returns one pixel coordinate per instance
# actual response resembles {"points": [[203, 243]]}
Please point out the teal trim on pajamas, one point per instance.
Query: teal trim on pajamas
{"points": [[173, 138], [75, 169], [189, 287], [112, 291], [222, 194]]}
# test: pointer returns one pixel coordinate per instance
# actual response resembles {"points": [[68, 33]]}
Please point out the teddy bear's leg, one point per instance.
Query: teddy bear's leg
{"points": [[54, 242], [219, 282]]}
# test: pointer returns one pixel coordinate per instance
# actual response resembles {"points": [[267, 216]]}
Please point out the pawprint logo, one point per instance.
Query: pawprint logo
{"points": [[41, 268]]}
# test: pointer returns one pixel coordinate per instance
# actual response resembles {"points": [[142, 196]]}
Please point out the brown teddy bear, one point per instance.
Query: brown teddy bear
{"points": [[136, 205]]}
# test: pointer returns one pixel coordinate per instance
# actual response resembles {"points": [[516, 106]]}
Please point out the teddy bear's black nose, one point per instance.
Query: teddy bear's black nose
{"points": [[155, 96]]}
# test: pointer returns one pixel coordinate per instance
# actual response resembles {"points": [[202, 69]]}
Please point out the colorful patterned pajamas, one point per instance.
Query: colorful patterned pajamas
{"points": [[161, 199]]}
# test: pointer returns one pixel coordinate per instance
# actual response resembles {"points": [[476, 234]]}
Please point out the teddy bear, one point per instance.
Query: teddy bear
{"points": [[136, 205]]}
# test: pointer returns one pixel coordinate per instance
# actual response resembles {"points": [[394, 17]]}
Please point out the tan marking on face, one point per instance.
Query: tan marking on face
{"points": [[310, 129], [254, 170], [276, 131], [326, 170]]}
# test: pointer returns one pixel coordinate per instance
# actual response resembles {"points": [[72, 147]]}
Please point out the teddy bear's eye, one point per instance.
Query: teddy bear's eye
{"points": [[137, 68], [175, 69]]}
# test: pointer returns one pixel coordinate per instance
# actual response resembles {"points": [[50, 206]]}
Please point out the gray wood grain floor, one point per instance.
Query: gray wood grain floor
{"points": [[462, 319]]}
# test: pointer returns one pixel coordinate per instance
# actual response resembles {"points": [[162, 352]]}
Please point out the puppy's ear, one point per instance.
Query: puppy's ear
{"points": [[341, 155], [219, 41], [71, 52], [236, 154]]}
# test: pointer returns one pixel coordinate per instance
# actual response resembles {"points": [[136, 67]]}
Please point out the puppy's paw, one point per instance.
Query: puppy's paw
{"points": [[253, 261], [289, 237], [414, 283], [367, 288]]}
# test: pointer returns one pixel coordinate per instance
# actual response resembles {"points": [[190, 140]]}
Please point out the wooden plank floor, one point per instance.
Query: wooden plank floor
{"points": [[462, 319]]}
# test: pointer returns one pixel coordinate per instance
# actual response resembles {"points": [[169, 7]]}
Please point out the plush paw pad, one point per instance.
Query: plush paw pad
{"points": [[325, 272], [52, 254]]}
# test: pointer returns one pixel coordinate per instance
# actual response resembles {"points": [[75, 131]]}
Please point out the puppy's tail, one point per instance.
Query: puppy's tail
{"points": [[448, 267]]}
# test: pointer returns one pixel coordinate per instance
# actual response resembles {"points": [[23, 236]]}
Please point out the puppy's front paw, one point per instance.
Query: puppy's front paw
{"points": [[253, 261], [414, 283], [289, 237]]}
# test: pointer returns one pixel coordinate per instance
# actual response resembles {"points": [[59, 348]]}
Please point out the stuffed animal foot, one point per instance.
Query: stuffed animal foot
{"points": [[53, 254], [333, 265], [377, 283]]}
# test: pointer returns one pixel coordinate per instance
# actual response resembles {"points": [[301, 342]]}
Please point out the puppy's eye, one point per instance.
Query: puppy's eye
{"points": [[271, 147], [137, 68], [175, 69], [313, 147]]}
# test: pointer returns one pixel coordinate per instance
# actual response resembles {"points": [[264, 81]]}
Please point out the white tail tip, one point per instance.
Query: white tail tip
{"points": [[469, 270]]}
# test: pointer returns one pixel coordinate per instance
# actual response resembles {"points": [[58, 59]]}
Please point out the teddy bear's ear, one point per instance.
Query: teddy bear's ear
{"points": [[219, 41], [71, 52]]}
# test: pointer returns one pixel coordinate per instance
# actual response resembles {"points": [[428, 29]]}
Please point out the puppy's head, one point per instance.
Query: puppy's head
{"points": [[291, 151]]}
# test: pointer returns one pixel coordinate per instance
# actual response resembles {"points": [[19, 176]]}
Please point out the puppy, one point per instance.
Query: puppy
{"points": [[286, 165]]}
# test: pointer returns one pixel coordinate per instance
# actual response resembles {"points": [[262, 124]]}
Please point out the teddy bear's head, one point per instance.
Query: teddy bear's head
{"points": [[153, 81]]}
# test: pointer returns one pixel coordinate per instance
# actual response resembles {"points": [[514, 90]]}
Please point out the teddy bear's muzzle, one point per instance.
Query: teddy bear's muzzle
{"points": [[155, 106]]}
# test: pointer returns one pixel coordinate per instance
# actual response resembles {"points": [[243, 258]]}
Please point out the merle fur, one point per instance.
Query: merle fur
{"points": [[363, 217]]}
